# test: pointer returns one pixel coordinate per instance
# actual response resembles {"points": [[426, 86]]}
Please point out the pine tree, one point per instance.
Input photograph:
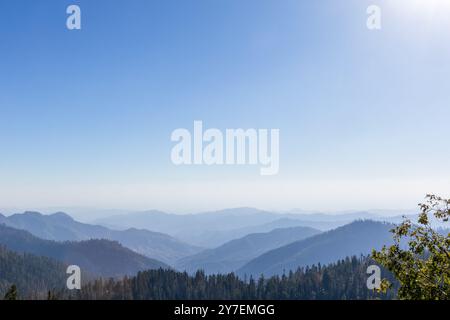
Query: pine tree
{"points": [[12, 293]]}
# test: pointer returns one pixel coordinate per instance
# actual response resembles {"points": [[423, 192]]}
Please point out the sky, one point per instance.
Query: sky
{"points": [[86, 115]]}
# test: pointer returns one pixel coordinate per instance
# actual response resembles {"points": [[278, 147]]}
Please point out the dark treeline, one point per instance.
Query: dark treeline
{"points": [[32, 275], [39, 278], [346, 279]]}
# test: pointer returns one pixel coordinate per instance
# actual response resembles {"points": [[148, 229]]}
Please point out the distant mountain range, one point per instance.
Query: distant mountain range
{"points": [[35, 250], [234, 254], [212, 229], [96, 257], [359, 237], [243, 240], [61, 227]]}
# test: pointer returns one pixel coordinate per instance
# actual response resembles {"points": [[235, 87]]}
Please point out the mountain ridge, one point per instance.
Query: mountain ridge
{"points": [[62, 227], [214, 228], [356, 238], [235, 253], [98, 257]]}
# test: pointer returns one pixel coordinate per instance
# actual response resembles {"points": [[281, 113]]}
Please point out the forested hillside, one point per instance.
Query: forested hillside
{"points": [[98, 257], [62, 227], [345, 279], [33, 275]]}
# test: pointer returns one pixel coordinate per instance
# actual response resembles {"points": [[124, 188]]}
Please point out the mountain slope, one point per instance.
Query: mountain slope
{"points": [[181, 224], [234, 254], [212, 229], [345, 280], [359, 237], [215, 238], [61, 227], [98, 257], [33, 275]]}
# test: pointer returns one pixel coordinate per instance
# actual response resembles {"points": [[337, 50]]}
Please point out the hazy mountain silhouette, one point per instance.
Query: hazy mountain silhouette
{"points": [[98, 257], [212, 229], [61, 227], [215, 238], [234, 254], [356, 238]]}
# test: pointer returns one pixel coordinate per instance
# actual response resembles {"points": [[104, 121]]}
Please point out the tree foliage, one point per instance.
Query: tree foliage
{"points": [[11, 294], [420, 255]]}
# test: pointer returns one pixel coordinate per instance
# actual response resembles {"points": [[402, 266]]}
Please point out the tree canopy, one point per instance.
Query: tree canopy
{"points": [[420, 256]]}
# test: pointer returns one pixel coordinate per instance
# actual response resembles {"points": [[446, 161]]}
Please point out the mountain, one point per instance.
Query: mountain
{"points": [[198, 229], [97, 257], [356, 238], [338, 216], [290, 221], [432, 220], [216, 238], [212, 229], [61, 227], [227, 219], [234, 254], [2, 219], [33, 275]]}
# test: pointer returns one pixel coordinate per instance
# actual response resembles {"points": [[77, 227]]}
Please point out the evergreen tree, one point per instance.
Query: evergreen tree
{"points": [[12, 293]]}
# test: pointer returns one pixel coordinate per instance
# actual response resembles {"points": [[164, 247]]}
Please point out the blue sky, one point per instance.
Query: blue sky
{"points": [[86, 116]]}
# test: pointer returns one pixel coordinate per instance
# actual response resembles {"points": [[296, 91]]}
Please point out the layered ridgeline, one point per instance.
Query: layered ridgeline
{"points": [[234, 254], [61, 227], [359, 237], [35, 276], [212, 229], [341, 279], [95, 257]]}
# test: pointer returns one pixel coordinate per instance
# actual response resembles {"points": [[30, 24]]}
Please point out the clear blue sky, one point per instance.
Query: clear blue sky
{"points": [[86, 116]]}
